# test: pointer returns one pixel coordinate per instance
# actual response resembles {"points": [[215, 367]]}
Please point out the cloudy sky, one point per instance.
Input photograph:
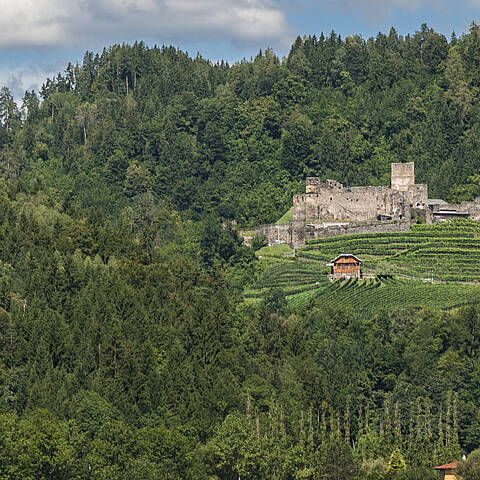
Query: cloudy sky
{"points": [[38, 37]]}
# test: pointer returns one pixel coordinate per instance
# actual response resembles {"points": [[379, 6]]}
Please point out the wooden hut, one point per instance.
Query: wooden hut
{"points": [[447, 471], [346, 265]]}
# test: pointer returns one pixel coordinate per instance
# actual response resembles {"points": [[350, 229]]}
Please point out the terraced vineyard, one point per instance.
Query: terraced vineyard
{"points": [[372, 294], [447, 252], [293, 277]]}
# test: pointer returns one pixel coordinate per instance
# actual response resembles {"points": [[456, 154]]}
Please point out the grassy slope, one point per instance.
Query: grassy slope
{"points": [[275, 251], [286, 217], [448, 252]]}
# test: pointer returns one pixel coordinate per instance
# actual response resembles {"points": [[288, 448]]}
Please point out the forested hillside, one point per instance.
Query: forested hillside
{"points": [[137, 124], [126, 350]]}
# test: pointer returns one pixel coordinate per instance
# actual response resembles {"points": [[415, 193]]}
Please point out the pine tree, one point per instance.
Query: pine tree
{"points": [[448, 421], [419, 421], [387, 422], [458, 91], [310, 439], [396, 463], [440, 446]]}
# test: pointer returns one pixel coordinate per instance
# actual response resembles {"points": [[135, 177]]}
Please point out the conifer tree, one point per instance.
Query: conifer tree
{"points": [[396, 462], [398, 426], [388, 422]]}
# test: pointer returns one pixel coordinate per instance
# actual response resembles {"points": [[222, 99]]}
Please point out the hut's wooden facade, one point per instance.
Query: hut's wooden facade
{"points": [[346, 265]]}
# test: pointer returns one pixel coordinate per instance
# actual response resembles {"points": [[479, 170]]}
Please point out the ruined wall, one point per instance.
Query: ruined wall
{"points": [[299, 208], [364, 209], [352, 204], [315, 185], [402, 176], [296, 233], [403, 180], [356, 228], [330, 200], [474, 209], [417, 195], [275, 233], [292, 233]]}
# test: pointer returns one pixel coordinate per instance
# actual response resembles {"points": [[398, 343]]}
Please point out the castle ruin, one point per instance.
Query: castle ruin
{"points": [[329, 209], [331, 200]]}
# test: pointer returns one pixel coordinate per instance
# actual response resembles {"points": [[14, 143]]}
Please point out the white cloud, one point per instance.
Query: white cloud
{"points": [[79, 22], [245, 19], [23, 78], [29, 22]]}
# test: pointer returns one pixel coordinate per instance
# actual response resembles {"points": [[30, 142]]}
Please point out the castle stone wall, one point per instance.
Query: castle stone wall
{"points": [[296, 233], [331, 200], [465, 209], [417, 195], [356, 228], [362, 209], [473, 209], [358, 204], [275, 233]]}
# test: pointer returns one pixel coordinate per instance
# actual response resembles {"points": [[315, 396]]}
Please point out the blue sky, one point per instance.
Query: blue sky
{"points": [[39, 37]]}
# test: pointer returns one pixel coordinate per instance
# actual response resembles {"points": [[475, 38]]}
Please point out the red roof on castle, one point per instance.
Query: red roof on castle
{"points": [[447, 466]]}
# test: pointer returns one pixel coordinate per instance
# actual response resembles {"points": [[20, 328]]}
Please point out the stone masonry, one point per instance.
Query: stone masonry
{"points": [[329, 208], [331, 200]]}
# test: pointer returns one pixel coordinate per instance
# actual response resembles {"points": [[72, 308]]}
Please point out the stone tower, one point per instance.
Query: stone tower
{"points": [[403, 176]]}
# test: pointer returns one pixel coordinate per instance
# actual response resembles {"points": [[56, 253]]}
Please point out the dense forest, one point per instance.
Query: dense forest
{"points": [[125, 348]]}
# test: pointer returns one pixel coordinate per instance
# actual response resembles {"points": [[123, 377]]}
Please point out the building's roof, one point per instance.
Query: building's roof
{"points": [[343, 255], [447, 466], [436, 201], [453, 213]]}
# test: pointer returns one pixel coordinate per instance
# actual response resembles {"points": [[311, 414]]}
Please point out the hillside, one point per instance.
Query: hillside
{"points": [[135, 125], [442, 252], [445, 255], [139, 337]]}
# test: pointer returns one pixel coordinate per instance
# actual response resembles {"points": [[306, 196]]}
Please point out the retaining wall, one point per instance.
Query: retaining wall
{"points": [[297, 232]]}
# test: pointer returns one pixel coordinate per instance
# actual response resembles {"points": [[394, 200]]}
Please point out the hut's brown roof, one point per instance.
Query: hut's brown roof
{"points": [[447, 466], [343, 255]]}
